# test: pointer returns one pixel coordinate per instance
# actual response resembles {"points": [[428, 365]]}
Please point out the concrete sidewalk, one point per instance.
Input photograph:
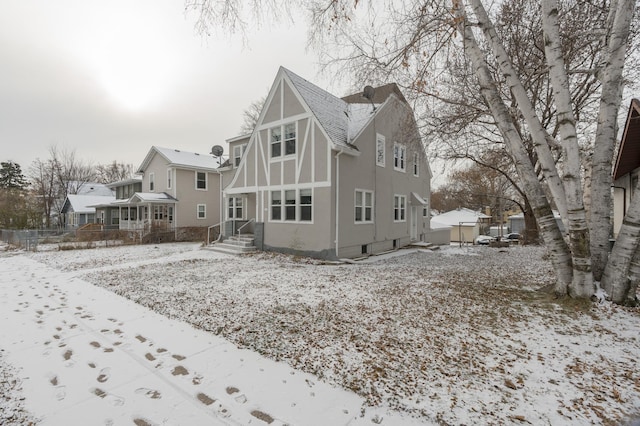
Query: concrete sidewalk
{"points": [[87, 356]]}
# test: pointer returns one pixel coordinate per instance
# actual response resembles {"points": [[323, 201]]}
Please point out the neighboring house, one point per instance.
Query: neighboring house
{"points": [[180, 192], [110, 214], [78, 210], [466, 224], [516, 222], [329, 177], [627, 166]]}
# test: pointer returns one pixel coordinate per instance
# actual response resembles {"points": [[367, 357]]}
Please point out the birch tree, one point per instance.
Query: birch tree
{"points": [[421, 40]]}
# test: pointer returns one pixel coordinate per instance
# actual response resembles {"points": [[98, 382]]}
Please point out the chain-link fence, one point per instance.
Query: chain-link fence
{"points": [[26, 239]]}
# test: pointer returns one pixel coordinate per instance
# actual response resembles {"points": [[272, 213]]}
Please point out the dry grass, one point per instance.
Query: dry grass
{"points": [[442, 336]]}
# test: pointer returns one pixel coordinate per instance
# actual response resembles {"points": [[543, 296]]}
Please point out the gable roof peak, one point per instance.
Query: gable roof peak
{"points": [[380, 94]]}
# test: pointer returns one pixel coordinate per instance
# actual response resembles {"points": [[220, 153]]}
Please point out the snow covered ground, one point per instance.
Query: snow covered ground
{"points": [[460, 336]]}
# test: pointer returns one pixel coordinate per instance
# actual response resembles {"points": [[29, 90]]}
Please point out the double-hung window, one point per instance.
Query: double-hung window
{"points": [[234, 207], [289, 141], [152, 182], [290, 204], [415, 164], [276, 205], [399, 157], [168, 178], [363, 206], [306, 205], [399, 207], [201, 211], [201, 180], [237, 154]]}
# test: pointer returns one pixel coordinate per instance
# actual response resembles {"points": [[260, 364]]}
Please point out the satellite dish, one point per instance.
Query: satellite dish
{"points": [[368, 92], [217, 151]]}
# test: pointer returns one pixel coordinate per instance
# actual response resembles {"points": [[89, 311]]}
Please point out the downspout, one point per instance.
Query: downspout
{"points": [[338, 198], [220, 205]]}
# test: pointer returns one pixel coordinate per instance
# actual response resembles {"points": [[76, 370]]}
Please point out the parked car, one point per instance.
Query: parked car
{"points": [[512, 237], [483, 240]]}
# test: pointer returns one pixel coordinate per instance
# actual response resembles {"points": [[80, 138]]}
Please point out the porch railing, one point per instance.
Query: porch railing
{"points": [[250, 221], [209, 233]]}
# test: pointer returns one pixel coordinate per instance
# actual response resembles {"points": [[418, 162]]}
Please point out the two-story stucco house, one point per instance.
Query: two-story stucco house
{"points": [[326, 176]]}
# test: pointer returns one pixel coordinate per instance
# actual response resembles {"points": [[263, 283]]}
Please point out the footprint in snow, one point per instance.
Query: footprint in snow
{"points": [[104, 375], [150, 393], [112, 399], [240, 399]]}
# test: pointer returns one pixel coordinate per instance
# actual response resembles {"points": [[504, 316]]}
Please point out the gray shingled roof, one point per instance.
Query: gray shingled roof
{"points": [[330, 110], [179, 158]]}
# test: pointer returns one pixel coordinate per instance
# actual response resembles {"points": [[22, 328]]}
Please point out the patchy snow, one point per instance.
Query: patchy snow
{"points": [[457, 336]]}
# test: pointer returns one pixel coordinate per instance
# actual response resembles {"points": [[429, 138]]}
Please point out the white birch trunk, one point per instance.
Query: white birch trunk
{"points": [[606, 133], [582, 284], [539, 134], [559, 253], [615, 280], [634, 278]]}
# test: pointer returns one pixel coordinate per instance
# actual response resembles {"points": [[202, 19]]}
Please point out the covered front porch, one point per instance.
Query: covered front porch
{"points": [[148, 212]]}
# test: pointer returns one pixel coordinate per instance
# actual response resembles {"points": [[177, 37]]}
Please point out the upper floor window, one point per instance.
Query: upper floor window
{"points": [[415, 164], [168, 178], [399, 207], [201, 180], [363, 206], [380, 150], [399, 157], [289, 131], [152, 183], [238, 150]]}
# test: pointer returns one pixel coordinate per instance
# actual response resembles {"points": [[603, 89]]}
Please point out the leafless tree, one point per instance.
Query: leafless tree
{"points": [[250, 116], [113, 172]]}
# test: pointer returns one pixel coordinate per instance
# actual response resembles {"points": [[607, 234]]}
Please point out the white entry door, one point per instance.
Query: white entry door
{"points": [[414, 223]]}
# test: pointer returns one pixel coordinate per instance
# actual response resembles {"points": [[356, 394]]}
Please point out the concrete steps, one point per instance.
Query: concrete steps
{"points": [[237, 244]]}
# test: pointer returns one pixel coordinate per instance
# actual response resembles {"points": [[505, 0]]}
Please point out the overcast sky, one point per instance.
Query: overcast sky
{"points": [[112, 78]]}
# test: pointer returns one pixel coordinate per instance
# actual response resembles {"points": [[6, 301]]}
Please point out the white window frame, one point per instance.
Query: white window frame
{"points": [[301, 205], [206, 180], [297, 205], [362, 206], [283, 141], [399, 157], [203, 211], [416, 168], [276, 206], [399, 208], [238, 152], [233, 206], [380, 150], [169, 176], [152, 182]]}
